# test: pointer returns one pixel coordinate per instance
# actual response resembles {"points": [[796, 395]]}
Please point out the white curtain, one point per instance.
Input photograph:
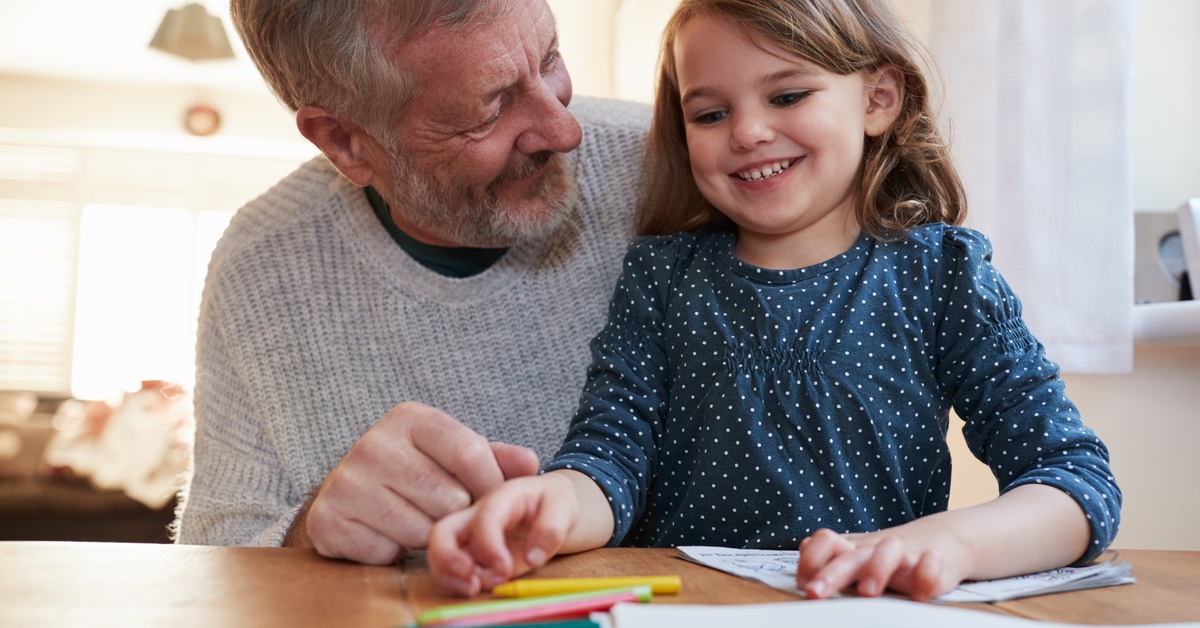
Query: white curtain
{"points": [[1037, 100]]}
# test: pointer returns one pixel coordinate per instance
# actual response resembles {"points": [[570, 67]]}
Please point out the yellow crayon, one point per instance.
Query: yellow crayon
{"points": [[550, 586]]}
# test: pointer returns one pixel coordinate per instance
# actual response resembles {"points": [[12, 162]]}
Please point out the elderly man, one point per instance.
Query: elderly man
{"points": [[402, 323]]}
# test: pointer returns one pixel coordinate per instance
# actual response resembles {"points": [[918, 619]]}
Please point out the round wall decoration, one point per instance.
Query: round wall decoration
{"points": [[201, 120]]}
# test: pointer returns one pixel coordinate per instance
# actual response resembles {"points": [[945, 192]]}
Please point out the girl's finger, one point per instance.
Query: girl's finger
{"points": [[499, 517], [816, 551], [450, 564], [840, 572], [877, 572], [928, 578], [556, 514]]}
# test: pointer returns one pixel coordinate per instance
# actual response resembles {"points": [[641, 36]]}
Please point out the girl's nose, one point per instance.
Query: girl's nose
{"points": [[749, 131]]}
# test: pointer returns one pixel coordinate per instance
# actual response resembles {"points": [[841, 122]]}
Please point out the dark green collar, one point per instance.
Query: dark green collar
{"points": [[450, 261]]}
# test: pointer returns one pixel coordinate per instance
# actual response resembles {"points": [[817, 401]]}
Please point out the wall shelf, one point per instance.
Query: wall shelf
{"points": [[1176, 323]]}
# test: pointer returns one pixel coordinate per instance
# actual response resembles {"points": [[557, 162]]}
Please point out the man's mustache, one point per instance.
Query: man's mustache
{"points": [[527, 166]]}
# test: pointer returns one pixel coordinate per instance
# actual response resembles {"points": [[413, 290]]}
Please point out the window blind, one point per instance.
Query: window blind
{"points": [[46, 190]]}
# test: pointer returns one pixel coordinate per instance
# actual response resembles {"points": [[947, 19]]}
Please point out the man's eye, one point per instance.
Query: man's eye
{"points": [[491, 119], [482, 129], [550, 60]]}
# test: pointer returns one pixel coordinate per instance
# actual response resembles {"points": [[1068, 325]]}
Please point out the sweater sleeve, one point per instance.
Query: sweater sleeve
{"points": [[238, 491], [615, 434], [1017, 417]]}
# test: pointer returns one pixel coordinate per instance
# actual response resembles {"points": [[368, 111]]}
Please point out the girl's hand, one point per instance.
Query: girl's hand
{"points": [[920, 567], [1026, 529], [513, 529]]}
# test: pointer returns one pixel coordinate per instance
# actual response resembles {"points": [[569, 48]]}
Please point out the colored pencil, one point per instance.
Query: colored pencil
{"points": [[568, 605], [550, 586]]}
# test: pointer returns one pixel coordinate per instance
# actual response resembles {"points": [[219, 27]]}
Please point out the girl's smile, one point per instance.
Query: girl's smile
{"points": [[765, 170]]}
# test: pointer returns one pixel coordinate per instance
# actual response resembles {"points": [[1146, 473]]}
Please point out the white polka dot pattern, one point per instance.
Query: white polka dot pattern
{"points": [[738, 406]]}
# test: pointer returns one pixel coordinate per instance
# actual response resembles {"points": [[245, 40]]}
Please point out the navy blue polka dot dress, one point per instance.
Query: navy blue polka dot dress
{"points": [[739, 406]]}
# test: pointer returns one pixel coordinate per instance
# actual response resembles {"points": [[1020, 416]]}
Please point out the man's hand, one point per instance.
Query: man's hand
{"points": [[415, 466]]}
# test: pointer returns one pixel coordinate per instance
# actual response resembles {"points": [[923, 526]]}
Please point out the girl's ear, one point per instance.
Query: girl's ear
{"points": [[347, 145], [884, 95]]}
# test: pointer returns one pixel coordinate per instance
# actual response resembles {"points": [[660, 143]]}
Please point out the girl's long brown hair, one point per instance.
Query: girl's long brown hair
{"points": [[907, 177]]}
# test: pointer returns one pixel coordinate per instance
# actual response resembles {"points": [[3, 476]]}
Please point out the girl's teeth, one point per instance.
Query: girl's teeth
{"points": [[757, 174]]}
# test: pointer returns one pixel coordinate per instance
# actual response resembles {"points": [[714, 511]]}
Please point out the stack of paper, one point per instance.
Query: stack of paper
{"points": [[844, 613], [777, 568]]}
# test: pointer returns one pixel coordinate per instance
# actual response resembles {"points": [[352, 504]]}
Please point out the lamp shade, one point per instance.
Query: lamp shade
{"points": [[191, 33]]}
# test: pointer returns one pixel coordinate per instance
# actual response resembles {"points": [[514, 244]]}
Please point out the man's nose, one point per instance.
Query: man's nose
{"points": [[551, 125]]}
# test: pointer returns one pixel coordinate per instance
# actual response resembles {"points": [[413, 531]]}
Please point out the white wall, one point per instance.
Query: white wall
{"points": [[95, 111], [1166, 104], [1149, 417]]}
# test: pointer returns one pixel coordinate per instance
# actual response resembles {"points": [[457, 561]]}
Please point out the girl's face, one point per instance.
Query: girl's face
{"points": [[776, 142]]}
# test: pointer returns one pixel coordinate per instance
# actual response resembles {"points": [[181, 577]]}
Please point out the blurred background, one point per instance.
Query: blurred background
{"points": [[120, 165]]}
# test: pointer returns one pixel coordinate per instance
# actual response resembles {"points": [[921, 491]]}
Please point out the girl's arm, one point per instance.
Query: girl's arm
{"points": [[1027, 529], [1059, 502], [612, 438], [517, 527]]}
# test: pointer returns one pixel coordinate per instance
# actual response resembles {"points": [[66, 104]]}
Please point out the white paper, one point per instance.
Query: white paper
{"points": [[777, 569], [843, 613]]}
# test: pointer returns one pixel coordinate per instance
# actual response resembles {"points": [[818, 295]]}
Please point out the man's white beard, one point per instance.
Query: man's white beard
{"points": [[479, 218]]}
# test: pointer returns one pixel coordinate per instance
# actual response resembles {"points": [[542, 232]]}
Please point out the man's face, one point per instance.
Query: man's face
{"points": [[476, 157]]}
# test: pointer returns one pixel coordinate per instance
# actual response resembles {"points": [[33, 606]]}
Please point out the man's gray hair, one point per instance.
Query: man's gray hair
{"points": [[339, 55]]}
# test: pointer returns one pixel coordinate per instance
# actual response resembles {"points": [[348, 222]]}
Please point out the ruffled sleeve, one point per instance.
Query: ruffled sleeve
{"points": [[1017, 417], [615, 434]]}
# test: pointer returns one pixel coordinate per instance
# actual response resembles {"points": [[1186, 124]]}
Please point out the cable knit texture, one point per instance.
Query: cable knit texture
{"points": [[315, 323]]}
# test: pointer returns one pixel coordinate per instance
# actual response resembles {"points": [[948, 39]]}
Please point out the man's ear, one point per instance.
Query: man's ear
{"points": [[347, 145], [885, 95]]}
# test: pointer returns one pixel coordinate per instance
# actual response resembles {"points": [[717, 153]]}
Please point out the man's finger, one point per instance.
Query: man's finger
{"points": [[347, 516], [515, 461], [457, 449], [389, 457], [355, 541]]}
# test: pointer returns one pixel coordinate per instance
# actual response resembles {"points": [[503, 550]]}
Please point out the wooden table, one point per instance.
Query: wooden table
{"points": [[112, 584]]}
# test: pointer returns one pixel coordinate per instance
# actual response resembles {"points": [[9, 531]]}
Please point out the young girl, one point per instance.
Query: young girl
{"points": [[781, 370]]}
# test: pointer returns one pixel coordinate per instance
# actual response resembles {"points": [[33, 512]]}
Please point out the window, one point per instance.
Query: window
{"points": [[103, 253], [137, 291], [37, 279]]}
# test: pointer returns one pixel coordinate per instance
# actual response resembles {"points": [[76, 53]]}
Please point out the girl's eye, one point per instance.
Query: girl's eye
{"points": [[711, 117], [789, 99]]}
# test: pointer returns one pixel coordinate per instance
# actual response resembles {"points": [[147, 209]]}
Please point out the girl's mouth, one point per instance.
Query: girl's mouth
{"points": [[765, 171]]}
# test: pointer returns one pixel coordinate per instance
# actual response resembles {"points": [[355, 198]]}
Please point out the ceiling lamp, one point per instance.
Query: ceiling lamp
{"points": [[193, 34]]}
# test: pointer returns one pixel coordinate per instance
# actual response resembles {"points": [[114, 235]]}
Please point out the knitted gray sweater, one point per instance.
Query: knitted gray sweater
{"points": [[314, 324]]}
